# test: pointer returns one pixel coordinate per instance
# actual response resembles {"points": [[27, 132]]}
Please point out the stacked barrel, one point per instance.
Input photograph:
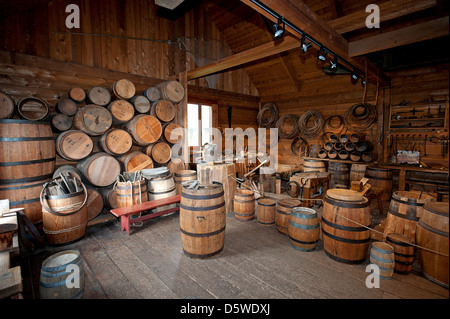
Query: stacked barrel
{"points": [[353, 147]]}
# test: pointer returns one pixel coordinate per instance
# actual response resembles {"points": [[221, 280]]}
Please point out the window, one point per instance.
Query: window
{"points": [[200, 124]]}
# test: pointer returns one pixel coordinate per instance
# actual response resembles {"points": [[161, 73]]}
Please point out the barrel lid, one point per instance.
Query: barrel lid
{"points": [[289, 202], [345, 194], [266, 202], [438, 208]]}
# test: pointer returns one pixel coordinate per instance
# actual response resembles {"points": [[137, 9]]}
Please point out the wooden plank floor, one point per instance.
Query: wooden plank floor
{"points": [[256, 262]]}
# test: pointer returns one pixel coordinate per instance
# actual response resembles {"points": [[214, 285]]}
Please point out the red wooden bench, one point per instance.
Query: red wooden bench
{"points": [[125, 212]]}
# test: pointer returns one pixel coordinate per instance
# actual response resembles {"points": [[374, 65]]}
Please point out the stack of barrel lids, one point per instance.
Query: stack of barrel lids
{"points": [[347, 146]]}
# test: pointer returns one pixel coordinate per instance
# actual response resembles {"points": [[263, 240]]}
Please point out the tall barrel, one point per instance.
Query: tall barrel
{"points": [[92, 119], [182, 177], [380, 179], [172, 91], [161, 187], [283, 212], [433, 234], [202, 220], [404, 212], [304, 228], [58, 270], [357, 172], [244, 204], [310, 165], [27, 161], [131, 193], [382, 255], [339, 174], [99, 169], [343, 240], [265, 211], [145, 129], [74, 145], [403, 251]]}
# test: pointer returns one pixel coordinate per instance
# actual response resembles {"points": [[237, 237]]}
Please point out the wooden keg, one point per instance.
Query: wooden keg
{"points": [[433, 235], [61, 122], [332, 154], [283, 212], [357, 172], [70, 170], [382, 255], [175, 165], [94, 204], [364, 146], [163, 110], [131, 193], [121, 111], [92, 119], [99, 169], [152, 93], [33, 109], [123, 89], [184, 176], [115, 142], [27, 161], [141, 104], [343, 154], [328, 146], [202, 220], [172, 91], [160, 152], [144, 129], [357, 137], [311, 165], [404, 212], [344, 138], [135, 161], [338, 146], [67, 107], [403, 251], [161, 187], [303, 228], [57, 270], [172, 133], [265, 211], [368, 157], [355, 156], [98, 95], [323, 153], [349, 147], [380, 179], [339, 174], [7, 106], [343, 240], [77, 95], [244, 205], [109, 196], [334, 138], [74, 145]]}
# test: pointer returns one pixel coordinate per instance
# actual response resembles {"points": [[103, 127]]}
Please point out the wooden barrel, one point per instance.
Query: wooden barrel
{"points": [[94, 204], [131, 193], [115, 142], [328, 146], [303, 228], [99, 169], [283, 212], [99, 95], [265, 211], [339, 174], [57, 270], [355, 156], [338, 146], [70, 170], [172, 91], [244, 204], [311, 165], [67, 107], [332, 153], [74, 145], [152, 93], [334, 138], [92, 119], [27, 161], [368, 157], [403, 251], [433, 235], [77, 95], [109, 196], [323, 153], [161, 187], [144, 129], [343, 240], [66, 204], [33, 109], [163, 110], [344, 138], [135, 161], [172, 133], [121, 111], [349, 147], [380, 179], [123, 89], [184, 176], [7, 106], [404, 212], [343, 154], [141, 104], [202, 220], [61, 122], [357, 172], [382, 255], [364, 146], [357, 137], [175, 165], [160, 152]]}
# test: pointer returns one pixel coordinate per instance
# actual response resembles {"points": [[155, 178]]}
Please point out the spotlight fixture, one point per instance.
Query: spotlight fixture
{"points": [[322, 54], [355, 76], [305, 45], [278, 28]]}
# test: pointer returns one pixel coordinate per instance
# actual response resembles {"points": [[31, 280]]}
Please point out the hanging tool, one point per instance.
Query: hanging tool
{"points": [[425, 146]]}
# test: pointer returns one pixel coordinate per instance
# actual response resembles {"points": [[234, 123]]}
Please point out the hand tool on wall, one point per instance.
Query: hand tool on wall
{"points": [[425, 146]]}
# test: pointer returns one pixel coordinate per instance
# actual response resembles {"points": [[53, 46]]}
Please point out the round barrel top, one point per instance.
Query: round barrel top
{"points": [[161, 152], [67, 107], [122, 110], [96, 118], [77, 94], [141, 103], [119, 141], [61, 121], [381, 246], [266, 202], [164, 110], [138, 160], [152, 93], [7, 105], [175, 165], [404, 239], [99, 95], [173, 90], [244, 192], [413, 196], [185, 173], [345, 194], [63, 258], [289, 202], [148, 128], [173, 132], [76, 144], [124, 89], [439, 208], [103, 169]]}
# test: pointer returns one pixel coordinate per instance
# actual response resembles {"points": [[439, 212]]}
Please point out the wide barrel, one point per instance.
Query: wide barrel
{"points": [[283, 212], [310, 165], [357, 172], [382, 255], [27, 161], [244, 204], [304, 228], [202, 220], [380, 179], [339, 174]]}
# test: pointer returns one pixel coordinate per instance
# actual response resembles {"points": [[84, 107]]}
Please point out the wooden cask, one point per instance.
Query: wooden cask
{"points": [[99, 169], [123, 89], [92, 119], [357, 172], [283, 212], [349, 147], [160, 152], [357, 137], [135, 161], [144, 129], [404, 212], [339, 174], [355, 156], [69, 170], [343, 240], [141, 104], [403, 252], [98, 95], [27, 161], [67, 107], [121, 111], [115, 142], [152, 93], [310, 165], [382, 255], [433, 235], [160, 187], [74, 145], [56, 270], [303, 228], [62, 205], [175, 165], [33, 109], [380, 179], [244, 205], [202, 220], [94, 204], [184, 176], [343, 154], [323, 153], [172, 91], [78, 95], [265, 211], [131, 193], [332, 154], [7, 106], [172, 133], [163, 110], [109, 196], [344, 138], [61, 122]]}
